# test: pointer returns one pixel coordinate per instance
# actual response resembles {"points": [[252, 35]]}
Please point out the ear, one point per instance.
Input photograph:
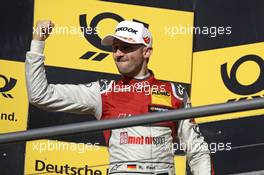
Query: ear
{"points": [[147, 51]]}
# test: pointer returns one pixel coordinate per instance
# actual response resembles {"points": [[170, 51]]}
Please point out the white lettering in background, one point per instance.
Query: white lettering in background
{"points": [[212, 31], [69, 30], [193, 147], [63, 146]]}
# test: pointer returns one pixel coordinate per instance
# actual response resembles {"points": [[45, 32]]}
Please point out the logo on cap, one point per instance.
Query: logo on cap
{"points": [[127, 29], [146, 39]]}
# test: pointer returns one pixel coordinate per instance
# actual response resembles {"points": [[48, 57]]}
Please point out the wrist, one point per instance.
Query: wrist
{"points": [[37, 38], [37, 46]]}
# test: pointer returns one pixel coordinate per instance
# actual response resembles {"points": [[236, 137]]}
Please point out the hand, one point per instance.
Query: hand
{"points": [[42, 30]]}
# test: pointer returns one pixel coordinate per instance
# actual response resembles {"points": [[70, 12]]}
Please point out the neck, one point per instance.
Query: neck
{"points": [[143, 72], [141, 77]]}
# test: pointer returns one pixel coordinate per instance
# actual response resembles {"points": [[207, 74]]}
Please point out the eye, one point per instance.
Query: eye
{"points": [[114, 48], [122, 47], [126, 47]]}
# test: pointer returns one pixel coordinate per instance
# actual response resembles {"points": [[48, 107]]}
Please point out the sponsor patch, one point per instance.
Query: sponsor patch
{"points": [[161, 98]]}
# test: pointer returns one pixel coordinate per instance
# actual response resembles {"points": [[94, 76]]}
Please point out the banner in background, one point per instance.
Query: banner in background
{"points": [[57, 157], [13, 97], [228, 74], [69, 47]]}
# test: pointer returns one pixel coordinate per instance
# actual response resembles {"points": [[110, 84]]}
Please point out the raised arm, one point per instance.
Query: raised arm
{"points": [[82, 99]]}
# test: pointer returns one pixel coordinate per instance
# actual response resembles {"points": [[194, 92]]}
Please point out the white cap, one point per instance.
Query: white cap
{"points": [[129, 32]]}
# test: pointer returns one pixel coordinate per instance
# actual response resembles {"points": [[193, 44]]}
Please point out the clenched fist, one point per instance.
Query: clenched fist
{"points": [[42, 30]]}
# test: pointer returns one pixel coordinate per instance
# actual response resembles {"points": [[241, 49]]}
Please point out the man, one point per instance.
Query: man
{"points": [[133, 150]]}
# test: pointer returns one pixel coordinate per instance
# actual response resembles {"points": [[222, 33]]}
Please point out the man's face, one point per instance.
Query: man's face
{"points": [[128, 58]]}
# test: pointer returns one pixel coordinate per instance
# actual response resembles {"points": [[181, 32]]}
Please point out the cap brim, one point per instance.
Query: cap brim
{"points": [[109, 39]]}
